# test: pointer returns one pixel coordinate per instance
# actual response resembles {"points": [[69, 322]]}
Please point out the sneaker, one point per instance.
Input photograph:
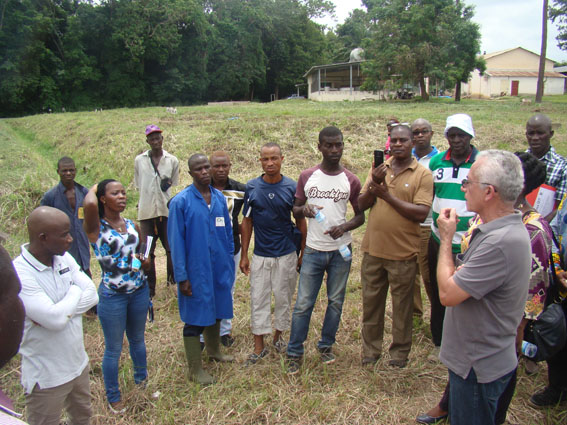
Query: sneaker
{"points": [[117, 407], [327, 356], [280, 345], [293, 365], [255, 358], [227, 340], [398, 363], [547, 397]]}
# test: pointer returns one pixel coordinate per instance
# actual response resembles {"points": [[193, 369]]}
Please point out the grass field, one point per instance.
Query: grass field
{"points": [[105, 144]]}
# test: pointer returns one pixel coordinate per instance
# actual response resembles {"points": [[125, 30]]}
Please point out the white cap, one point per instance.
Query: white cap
{"points": [[460, 121]]}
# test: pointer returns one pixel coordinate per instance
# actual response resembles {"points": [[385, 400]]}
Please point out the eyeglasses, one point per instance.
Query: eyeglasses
{"points": [[423, 132], [395, 124], [466, 182]]}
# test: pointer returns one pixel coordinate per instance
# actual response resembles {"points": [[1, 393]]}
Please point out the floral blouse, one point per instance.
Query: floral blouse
{"points": [[541, 241], [559, 227], [114, 252]]}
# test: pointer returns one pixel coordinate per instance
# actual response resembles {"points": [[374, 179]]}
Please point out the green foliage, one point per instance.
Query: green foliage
{"points": [[414, 39], [558, 14], [80, 55], [351, 34]]}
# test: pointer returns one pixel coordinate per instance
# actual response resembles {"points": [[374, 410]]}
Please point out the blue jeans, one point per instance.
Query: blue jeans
{"points": [[313, 268], [473, 403], [117, 313]]}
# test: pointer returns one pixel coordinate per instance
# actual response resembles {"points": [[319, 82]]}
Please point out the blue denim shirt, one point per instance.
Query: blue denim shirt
{"points": [[56, 198]]}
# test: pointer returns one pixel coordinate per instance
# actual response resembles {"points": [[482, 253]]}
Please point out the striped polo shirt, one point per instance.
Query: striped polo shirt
{"points": [[447, 177]]}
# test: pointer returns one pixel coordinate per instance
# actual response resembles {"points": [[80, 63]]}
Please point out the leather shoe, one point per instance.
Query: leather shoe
{"points": [[424, 418]]}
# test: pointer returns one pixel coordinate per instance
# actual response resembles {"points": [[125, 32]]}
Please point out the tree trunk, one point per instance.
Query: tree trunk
{"points": [[541, 71], [458, 92], [424, 94]]}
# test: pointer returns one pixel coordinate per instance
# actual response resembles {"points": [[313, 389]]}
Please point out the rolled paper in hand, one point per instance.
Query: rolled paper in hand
{"points": [[149, 240]]}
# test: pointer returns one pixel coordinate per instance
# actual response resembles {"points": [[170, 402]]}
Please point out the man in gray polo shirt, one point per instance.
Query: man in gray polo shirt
{"points": [[484, 289]]}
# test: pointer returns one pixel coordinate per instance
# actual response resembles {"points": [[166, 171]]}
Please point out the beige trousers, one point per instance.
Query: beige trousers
{"points": [[267, 275]]}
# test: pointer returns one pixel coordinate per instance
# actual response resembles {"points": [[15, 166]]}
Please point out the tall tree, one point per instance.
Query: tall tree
{"points": [[558, 14], [292, 44], [543, 51], [351, 34], [415, 39], [237, 61]]}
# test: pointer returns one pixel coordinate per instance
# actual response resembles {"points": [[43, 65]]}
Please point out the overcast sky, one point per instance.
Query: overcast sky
{"points": [[504, 24]]}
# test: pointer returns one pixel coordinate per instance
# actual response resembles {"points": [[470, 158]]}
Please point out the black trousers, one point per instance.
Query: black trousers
{"points": [[157, 228], [437, 309], [557, 366]]}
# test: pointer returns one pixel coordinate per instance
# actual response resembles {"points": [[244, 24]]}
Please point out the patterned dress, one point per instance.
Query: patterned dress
{"points": [[559, 227], [114, 252], [541, 241]]}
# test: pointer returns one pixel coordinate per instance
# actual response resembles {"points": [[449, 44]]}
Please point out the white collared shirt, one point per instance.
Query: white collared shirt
{"points": [[52, 348], [153, 201]]}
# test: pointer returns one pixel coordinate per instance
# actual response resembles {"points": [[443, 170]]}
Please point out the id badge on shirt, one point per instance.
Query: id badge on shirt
{"points": [[80, 213], [219, 222]]}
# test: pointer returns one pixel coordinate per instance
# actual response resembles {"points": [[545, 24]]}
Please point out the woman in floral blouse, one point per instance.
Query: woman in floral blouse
{"points": [[123, 291]]}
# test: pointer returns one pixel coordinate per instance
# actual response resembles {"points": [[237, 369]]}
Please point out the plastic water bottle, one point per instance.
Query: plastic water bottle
{"points": [[529, 349], [343, 248]]}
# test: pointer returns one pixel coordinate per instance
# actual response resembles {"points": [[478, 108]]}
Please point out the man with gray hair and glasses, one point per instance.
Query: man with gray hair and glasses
{"points": [[484, 289]]}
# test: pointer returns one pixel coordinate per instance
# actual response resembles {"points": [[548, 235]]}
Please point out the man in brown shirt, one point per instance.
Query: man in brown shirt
{"points": [[399, 194]]}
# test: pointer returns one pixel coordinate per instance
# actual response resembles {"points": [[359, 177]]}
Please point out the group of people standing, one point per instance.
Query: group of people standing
{"points": [[421, 203]]}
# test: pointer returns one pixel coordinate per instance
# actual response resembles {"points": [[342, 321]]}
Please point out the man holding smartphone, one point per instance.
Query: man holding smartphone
{"points": [[399, 194]]}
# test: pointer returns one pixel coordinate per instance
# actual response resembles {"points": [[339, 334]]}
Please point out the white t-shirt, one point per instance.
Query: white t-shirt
{"points": [[332, 192], [52, 348]]}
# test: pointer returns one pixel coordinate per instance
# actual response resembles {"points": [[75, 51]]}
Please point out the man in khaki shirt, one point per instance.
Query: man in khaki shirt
{"points": [[155, 171], [399, 194]]}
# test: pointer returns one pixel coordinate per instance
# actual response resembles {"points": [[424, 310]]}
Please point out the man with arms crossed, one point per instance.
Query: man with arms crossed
{"points": [[327, 186], [55, 293], [398, 193], [155, 171], [268, 204], [484, 289]]}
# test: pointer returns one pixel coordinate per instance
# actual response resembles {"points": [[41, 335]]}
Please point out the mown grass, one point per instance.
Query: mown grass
{"points": [[105, 144]]}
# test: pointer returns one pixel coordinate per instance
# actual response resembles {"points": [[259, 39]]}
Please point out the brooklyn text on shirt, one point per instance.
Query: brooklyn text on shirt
{"points": [[334, 194]]}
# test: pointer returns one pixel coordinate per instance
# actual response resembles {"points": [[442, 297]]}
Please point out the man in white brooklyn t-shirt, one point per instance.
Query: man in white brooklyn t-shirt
{"points": [[329, 187]]}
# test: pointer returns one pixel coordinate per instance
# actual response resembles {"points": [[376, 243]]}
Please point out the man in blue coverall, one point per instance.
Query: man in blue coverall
{"points": [[199, 231]]}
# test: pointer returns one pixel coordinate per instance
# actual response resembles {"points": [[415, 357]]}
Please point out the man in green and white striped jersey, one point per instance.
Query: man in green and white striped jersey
{"points": [[449, 168]]}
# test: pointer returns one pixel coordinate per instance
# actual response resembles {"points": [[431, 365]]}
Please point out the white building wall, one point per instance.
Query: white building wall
{"points": [[486, 86], [340, 95]]}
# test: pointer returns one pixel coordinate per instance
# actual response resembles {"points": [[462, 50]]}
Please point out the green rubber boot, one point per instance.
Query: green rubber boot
{"points": [[193, 354], [212, 343]]}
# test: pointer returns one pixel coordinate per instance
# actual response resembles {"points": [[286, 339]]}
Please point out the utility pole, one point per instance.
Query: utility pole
{"points": [[541, 71]]}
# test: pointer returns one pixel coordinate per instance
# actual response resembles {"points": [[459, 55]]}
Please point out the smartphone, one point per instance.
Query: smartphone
{"points": [[378, 157]]}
